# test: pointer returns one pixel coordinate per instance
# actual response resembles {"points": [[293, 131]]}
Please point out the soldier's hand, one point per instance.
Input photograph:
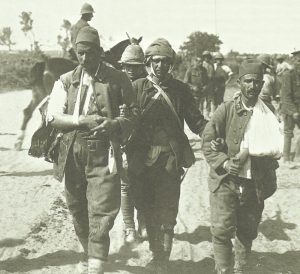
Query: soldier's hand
{"points": [[296, 116], [218, 144], [232, 166], [90, 121], [107, 126]]}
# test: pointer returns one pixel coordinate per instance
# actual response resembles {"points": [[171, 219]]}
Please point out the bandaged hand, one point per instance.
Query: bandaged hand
{"points": [[90, 121]]}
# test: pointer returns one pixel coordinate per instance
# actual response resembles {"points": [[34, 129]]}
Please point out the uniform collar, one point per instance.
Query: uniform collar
{"points": [[99, 77], [239, 106]]}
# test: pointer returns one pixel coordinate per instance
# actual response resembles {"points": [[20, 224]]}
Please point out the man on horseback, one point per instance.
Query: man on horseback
{"points": [[86, 16]]}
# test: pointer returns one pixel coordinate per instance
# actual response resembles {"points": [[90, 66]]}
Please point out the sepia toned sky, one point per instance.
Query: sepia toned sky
{"points": [[270, 26]]}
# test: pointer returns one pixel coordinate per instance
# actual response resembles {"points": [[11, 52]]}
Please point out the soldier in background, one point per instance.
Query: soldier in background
{"points": [[290, 104], [132, 62], [282, 65], [86, 16], [209, 89], [196, 77], [269, 90], [223, 75]]}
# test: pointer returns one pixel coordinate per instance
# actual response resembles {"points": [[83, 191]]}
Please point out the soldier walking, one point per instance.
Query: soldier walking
{"points": [[84, 104], [242, 174], [132, 62], [159, 149]]}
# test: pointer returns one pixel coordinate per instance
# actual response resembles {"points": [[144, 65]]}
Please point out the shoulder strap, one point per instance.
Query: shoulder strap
{"points": [[167, 99]]}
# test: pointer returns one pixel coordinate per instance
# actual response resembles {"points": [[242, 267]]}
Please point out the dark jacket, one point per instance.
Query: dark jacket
{"points": [[229, 122], [112, 88], [290, 92], [196, 78], [160, 114]]}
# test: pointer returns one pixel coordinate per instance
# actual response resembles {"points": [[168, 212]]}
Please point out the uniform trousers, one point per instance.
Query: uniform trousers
{"points": [[235, 213], [92, 193], [156, 193]]}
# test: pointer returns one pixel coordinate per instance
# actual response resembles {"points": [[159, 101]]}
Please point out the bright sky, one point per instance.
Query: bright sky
{"points": [[259, 26]]}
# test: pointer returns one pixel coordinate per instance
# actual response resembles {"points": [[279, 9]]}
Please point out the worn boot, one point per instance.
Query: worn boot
{"points": [[130, 236], [95, 266], [242, 249], [141, 226], [82, 266], [287, 148]]}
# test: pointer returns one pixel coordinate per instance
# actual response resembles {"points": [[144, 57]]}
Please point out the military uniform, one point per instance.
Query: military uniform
{"points": [[236, 202], [290, 104], [92, 189], [159, 150], [196, 77]]}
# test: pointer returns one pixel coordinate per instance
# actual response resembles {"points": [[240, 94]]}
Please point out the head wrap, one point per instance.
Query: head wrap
{"points": [[88, 34], [160, 47], [251, 67]]}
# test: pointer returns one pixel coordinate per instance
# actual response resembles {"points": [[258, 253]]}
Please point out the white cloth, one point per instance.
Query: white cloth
{"points": [[58, 97], [225, 68], [284, 66], [263, 137]]}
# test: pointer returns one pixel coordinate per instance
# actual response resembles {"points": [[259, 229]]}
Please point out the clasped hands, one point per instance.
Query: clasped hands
{"points": [[98, 124]]}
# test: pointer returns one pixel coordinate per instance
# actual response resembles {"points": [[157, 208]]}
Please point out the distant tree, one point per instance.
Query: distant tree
{"points": [[200, 41], [65, 41], [5, 37], [26, 23]]}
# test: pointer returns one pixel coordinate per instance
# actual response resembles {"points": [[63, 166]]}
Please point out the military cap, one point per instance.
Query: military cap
{"points": [[160, 47], [251, 66], [206, 53], [280, 57], [88, 34], [265, 59], [219, 55]]}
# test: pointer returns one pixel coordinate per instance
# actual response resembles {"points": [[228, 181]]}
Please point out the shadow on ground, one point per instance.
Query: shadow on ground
{"points": [[200, 234], [29, 174], [59, 258], [274, 229], [11, 242]]}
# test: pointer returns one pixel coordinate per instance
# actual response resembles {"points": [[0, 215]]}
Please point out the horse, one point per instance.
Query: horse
{"points": [[44, 74]]}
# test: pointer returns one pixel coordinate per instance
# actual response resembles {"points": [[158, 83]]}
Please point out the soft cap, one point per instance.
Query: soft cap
{"points": [[250, 67], [88, 34], [160, 47]]}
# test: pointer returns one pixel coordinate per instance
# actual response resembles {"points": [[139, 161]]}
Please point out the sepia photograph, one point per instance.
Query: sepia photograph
{"points": [[158, 137]]}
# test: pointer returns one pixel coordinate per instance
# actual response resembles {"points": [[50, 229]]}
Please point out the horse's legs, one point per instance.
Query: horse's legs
{"points": [[38, 93]]}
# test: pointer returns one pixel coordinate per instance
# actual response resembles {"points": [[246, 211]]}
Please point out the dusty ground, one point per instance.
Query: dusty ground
{"points": [[36, 234]]}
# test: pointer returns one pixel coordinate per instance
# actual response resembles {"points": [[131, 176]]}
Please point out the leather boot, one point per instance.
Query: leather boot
{"points": [[167, 243], [287, 148], [95, 266], [242, 249]]}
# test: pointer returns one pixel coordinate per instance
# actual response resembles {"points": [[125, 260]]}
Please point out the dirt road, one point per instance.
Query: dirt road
{"points": [[36, 233]]}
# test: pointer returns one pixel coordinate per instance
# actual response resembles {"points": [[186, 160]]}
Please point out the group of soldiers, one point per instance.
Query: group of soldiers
{"points": [[208, 80], [124, 145]]}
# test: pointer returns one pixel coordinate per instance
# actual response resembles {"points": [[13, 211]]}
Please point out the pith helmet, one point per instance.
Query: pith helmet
{"points": [[133, 54], [219, 55], [265, 59], [206, 53], [86, 8], [280, 57]]}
